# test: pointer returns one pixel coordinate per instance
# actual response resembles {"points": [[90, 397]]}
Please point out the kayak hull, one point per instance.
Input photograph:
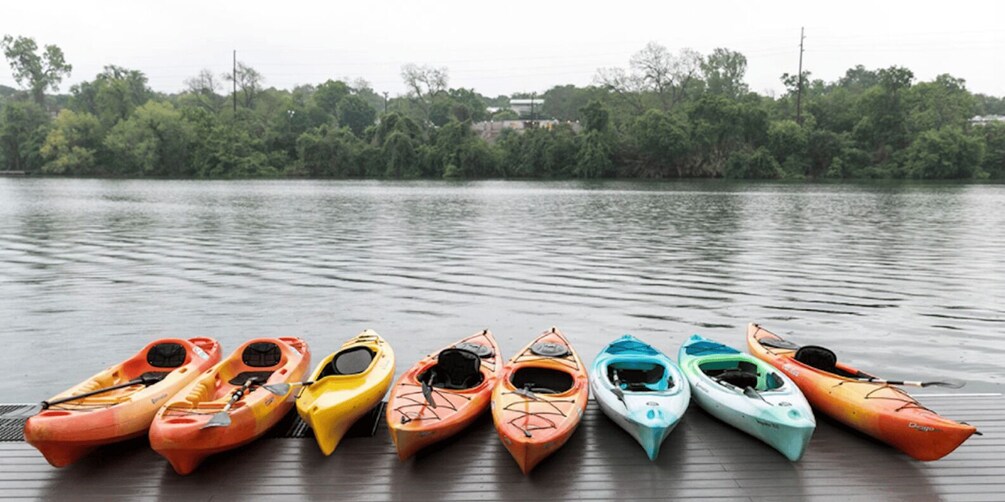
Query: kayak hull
{"points": [[773, 410], [178, 431], [334, 402], [879, 410], [651, 412], [414, 424], [65, 433], [533, 425]]}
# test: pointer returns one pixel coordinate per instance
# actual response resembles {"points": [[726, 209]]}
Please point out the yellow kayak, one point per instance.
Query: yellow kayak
{"points": [[345, 386]]}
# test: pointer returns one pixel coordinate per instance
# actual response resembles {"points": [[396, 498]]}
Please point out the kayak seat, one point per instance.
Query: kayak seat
{"points": [[644, 377], [817, 357], [741, 374], [739, 378], [455, 369], [349, 362], [260, 377], [155, 376], [166, 355], [261, 355], [542, 380]]}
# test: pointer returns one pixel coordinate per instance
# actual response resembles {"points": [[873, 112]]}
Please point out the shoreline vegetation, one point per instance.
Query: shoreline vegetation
{"points": [[665, 115]]}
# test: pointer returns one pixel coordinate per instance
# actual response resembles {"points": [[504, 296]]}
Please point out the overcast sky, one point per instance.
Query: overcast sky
{"points": [[502, 47]]}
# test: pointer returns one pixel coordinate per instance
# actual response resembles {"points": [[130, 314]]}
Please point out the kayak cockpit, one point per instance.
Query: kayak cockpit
{"points": [[741, 374], [639, 376], [542, 380], [455, 369], [823, 359], [351, 361]]}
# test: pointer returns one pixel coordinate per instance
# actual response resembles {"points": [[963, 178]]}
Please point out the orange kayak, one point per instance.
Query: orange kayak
{"points": [[180, 432], [540, 399], [443, 393], [846, 394], [65, 432]]}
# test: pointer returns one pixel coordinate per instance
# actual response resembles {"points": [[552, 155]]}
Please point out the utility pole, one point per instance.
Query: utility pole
{"points": [[233, 79], [532, 96], [799, 91], [385, 102]]}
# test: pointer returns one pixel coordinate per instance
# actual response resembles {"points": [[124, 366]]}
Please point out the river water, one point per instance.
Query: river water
{"points": [[904, 280]]}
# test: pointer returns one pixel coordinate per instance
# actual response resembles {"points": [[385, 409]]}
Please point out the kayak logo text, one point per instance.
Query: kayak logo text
{"points": [[922, 428]]}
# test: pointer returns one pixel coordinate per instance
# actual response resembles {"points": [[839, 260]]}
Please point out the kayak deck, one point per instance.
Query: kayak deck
{"points": [[703, 458]]}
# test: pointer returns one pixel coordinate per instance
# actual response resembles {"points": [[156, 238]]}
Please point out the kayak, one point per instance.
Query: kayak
{"points": [[540, 399], [137, 387], [641, 390], [443, 393], [345, 386], [748, 394], [227, 406], [876, 408]]}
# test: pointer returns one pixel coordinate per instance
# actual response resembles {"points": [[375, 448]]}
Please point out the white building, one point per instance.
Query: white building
{"points": [[526, 107]]}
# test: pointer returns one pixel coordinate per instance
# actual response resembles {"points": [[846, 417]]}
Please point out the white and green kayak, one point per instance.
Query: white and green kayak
{"points": [[748, 394]]}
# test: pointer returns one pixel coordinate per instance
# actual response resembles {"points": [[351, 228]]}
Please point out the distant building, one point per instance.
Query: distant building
{"points": [[987, 119], [527, 107], [490, 131]]}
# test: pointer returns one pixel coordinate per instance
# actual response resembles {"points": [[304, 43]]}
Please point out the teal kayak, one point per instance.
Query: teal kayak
{"points": [[748, 394], [641, 390]]}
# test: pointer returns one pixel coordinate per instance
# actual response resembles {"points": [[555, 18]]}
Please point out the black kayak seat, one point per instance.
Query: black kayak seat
{"points": [[818, 357], [455, 369], [261, 355], [166, 355], [739, 378], [260, 377], [349, 362]]}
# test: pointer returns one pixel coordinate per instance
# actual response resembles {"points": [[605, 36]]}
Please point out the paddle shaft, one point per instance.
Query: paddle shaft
{"points": [[136, 381], [238, 394]]}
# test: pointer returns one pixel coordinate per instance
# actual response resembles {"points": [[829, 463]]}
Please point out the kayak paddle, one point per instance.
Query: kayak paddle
{"points": [[427, 389], [222, 419], [280, 389], [949, 383], [143, 379]]}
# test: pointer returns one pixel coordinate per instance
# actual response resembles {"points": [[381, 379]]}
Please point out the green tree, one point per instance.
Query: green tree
{"points": [[112, 95], [328, 151], [355, 113], [401, 157], [594, 158], [946, 153], [788, 142], [23, 128], [71, 147], [759, 165], [663, 143], [723, 71], [328, 95], [155, 141], [994, 158], [38, 72]]}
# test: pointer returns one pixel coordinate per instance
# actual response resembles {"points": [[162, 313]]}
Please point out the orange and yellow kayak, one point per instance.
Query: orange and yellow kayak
{"points": [[443, 393], [67, 431], [846, 394], [540, 399], [182, 432]]}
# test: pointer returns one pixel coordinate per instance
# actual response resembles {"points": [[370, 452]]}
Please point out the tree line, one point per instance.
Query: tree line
{"points": [[665, 114]]}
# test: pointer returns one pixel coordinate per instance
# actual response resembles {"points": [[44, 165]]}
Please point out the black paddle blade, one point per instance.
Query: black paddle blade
{"points": [[949, 383], [427, 392]]}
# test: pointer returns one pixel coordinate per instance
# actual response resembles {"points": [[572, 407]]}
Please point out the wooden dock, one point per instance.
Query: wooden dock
{"points": [[703, 459]]}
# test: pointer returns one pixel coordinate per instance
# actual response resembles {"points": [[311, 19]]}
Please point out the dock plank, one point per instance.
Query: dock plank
{"points": [[703, 459]]}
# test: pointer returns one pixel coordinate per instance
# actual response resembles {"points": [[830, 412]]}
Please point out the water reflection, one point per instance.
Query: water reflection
{"points": [[895, 277]]}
